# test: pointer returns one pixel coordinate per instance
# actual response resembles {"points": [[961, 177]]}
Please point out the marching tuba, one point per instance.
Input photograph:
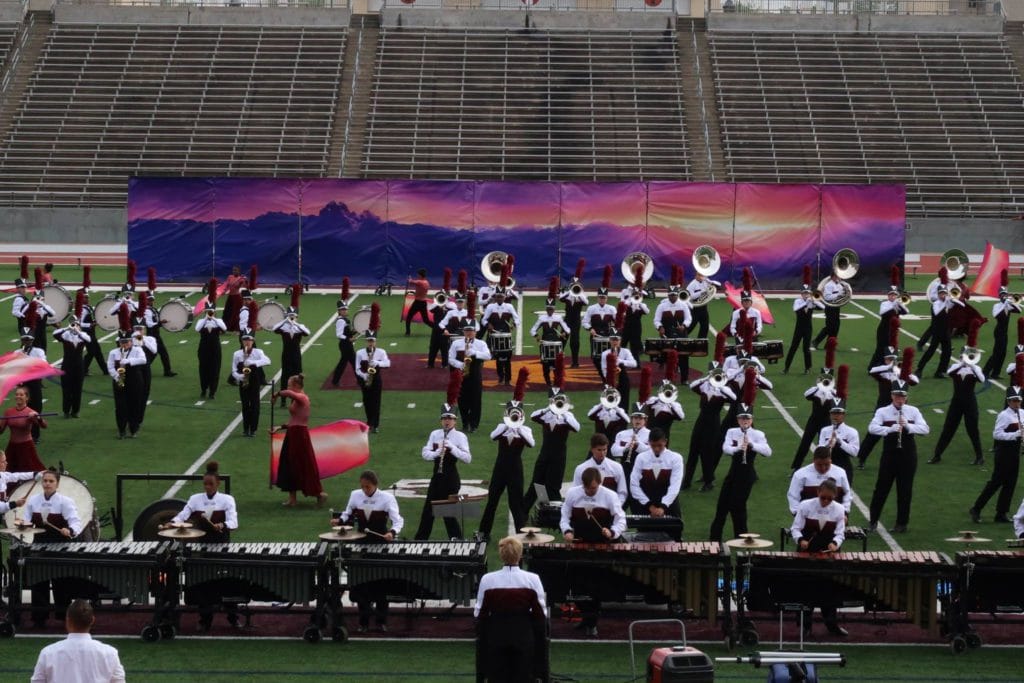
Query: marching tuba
{"points": [[845, 265], [707, 262]]}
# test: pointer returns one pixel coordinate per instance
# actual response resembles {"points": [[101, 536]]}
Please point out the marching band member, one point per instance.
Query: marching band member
{"points": [[297, 468], [575, 300], [234, 284], [656, 479], [673, 320], [212, 511], [940, 332], [421, 294], [889, 309], [455, 320], [608, 416], [467, 356], [804, 483], [148, 346], [248, 314], [932, 294], [884, 375], [58, 515], [1007, 449], [369, 363], [743, 444], [512, 435], [154, 324], [706, 439], [74, 341], [633, 323], [898, 423], [499, 318], [557, 422], [20, 300], [19, 419], [438, 311], [842, 440], [599, 318], [87, 319], [735, 367], [629, 442], [9, 480], [247, 369], [375, 513], [831, 293], [444, 447], [1018, 352], [549, 327], [124, 365], [663, 408], [803, 311], [963, 405], [820, 395], [345, 333], [1001, 311], [697, 287], [292, 332], [612, 475], [44, 312], [746, 308], [616, 359], [209, 327], [820, 526]]}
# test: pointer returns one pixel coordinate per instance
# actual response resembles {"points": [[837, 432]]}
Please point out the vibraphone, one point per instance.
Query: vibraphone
{"points": [[683, 574], [988, 581], [906, 582], [435, 570]]}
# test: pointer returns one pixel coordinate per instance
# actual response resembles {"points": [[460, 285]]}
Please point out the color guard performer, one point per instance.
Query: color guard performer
{"points": [[375, 513], [124, 365], [820, 526], [633, 323], [892, 308], [74, 342], [1007, 450], [599, 318], [1001, 311], [369, 365], [803, 311], [444, 447], [292, 332], [617, 359], [297, 468], [209, 327], [612, 475], [842, 440], [656, 479], [884, 375], [19, 419], [234, 284], [500, 318], [557, 423], [820, 395], [549, 327], [963, 405], [575, 300], [746, 308], [743, 444], [663, 408], [467, 355], [345, 333], [247, 369], [706, 438], [421, 294], [832, 291], [899, 424], [940, 332], [439, 307], [512, 435], [804, 483]]}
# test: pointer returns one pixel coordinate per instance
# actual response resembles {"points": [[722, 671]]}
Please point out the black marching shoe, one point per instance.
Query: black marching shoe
{"points": [[1002, 519], [935, 461], [975, 514], [837, 630], [978, 461], [899, 529]]}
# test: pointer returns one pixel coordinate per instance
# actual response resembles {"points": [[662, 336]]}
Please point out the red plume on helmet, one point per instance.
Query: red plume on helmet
{"points": [[673, 280], [611, 369], [79, 303], [671, 364], [644, 391], [124, 321], [720, 340], [23, 262], [503, 280], [894, 276], [132, 270], [580, 265], [374, 324], [447, 280], [462, 280], [807, 276], [1004, 278], [559, 379], [151, 279], [638, 280], [211, 291], [943, 275], [606, 277], [907, 364], [972, 332], [140, 312], [254, 312], [345, 292], [454, 386], [553, 288], [748, 279], [741, 323], [471, 304], [620, 317], [749, 385], [39, 279], [254, 274], [1018, 371], [86, 277], [296, 293], [894, 332], [830, 352], [842, 381], [511, 262], [31, 317], [520, 389], [748, 337]]}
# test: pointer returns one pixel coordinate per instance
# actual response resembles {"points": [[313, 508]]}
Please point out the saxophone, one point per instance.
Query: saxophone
{"points": [[246, 372], [120, 377], [442, 449]]}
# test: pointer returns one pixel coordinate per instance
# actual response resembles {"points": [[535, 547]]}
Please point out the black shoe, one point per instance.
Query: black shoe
{"points": [[934, 461], [899, 529], [382, 628], [709, 486], [837, 630], [785, 371], [74, 416], [375, 430], [1002, 519], [574, 365], [212, 395], [939, 375], [120, 436], [873, 526], [860, 465], [975, 514], [429, 366], [685, 487], [202, 394], [67, 416], [978, 461], [170, 374]]}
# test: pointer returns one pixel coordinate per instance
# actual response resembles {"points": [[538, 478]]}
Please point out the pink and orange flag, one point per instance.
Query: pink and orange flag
{"points": [[732, 295], [339, 447], [995, 261], [16, 368]]}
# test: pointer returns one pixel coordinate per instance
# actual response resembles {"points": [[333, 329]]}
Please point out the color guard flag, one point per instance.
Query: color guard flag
{"points": [[732, 295], [339, 447], [409, 298], [987, 282], [16, 368]]}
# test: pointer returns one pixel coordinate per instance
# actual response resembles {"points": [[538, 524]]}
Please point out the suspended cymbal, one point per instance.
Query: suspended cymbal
{"points": [[180, 525], [530, 536], [748, 543], [968, 537], [182, 534], [530, 530], [750, 535], [342, 534], [22, 529]]}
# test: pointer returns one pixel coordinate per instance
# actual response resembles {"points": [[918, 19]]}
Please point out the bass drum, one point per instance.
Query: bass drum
{"points": [[106, 313], [361, 321], [270, 314], [74, 489], [147, 524], [57, 298], [175, 315]]}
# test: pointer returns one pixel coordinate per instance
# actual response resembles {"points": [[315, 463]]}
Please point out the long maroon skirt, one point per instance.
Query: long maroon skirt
{"points": [[297, 470]]}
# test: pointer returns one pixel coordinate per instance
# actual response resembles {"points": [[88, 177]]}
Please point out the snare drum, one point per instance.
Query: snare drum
{"points": [[499, 342], [770, 350], [549, 350], [270, 314], [57, 298], [106, 313], [599, 345], [175, 315], [74, 489]]}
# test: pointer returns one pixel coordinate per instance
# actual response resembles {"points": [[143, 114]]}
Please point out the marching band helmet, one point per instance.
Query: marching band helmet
{"points": [[124, 336], [26, 333], [638, 410], [20, 282], [209, 307], [899, 387], [837, 405], [248, 335], [1013, 393], [292, 312], [891, 352], [746, 295], [246, 294], [746, 410], [73, 320], [342, 305], [449, 410], [550, 303]]}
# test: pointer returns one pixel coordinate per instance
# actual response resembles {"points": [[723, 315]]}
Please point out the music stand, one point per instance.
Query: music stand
{"points": [[460, 507]]}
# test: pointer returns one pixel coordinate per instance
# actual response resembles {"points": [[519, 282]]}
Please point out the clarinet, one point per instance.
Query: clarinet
{"points": [[899, 433], [1020, 440], [746, 445], [833, 439]]}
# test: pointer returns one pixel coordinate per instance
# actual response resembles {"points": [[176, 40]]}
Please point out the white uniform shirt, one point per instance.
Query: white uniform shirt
{"points": [[455, 314], [478, 350], [623, 440], [457, 442], [205, 505], [510, 434], [8, 478], [18, 305], [551, 419], [807, 477], [811, 510], [134, 356], [940, 305], [380, 360], [889, 414], [256, 359], [607, 312], [1007, 427], [510, 577], [554, 320], [623, 355], [669, 308], [705, 388], [659, 407], [892, 372], [696, 287], [71, 336], [1007, 306], [965, 370], [340, 324], [800, 303], [577, 497], [505, 311], [897, 305], [757, 443], [753, 315], [634, 305], [568, 297], [78, 659], [647, 460], [847, 438], [207, 322], [290, 327], [609, 469], [607, 417], [145, 342], [379, 502], [57, 504], [243, 317]]}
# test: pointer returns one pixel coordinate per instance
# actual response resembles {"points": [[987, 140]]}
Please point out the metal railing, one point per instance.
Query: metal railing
{"points": [[843, 7], [318, 4], [15, 57], [650, 6]]}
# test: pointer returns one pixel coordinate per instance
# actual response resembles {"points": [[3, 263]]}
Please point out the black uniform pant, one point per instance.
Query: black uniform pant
{"points": [[547, 471], [438, 346], [508, 649], [802, 338], [1004, 477], [574, 341], [870, 440], [996, 361], [632, 336], [470, 398], [371, 399], [347, 356], [418, 307], [960, 408], [161, 349], [291, 359], [842, 459], [940, 339], [126, 402], [250, 397], [93, 352], [732, 500], [897, 465], [705, 446], [146, 375], [71, 383], [503, 366], [209, 365], [812, 428], [831, 328], [506, 476], [441, 486], [699, 321], [372, 600]]}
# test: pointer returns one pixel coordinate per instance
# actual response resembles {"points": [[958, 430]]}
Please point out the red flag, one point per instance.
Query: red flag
{"points": [[987, 282], [732, 294], [16, 368], [339, 447]]}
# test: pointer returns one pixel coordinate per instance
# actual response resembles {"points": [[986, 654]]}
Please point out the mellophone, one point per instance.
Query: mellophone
{"points": [[684, 346]]}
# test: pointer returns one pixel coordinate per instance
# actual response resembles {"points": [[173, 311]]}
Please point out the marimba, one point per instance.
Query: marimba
{"points": [[271, 572], [417, 570], [682, 574]]}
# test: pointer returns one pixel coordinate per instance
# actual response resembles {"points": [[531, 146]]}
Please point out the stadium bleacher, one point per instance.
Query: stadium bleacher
{"points": [[8, 32]]}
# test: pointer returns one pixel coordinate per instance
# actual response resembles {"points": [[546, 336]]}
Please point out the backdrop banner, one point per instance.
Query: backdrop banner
{"points": [[383, 231]]}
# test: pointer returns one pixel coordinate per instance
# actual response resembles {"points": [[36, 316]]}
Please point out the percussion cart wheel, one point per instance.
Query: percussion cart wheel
{"points": [[730, 642], [168, 632], [150, 634], [339, 634], [311, 635], [958, 644], [6, 629], [973, 640], [748, 634]]}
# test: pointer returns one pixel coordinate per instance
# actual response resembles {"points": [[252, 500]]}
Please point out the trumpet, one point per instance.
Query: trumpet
{"points": [[440, 298], [717, 379], [1015, 298], [120, 378], [956, 292], [825, 383], [905, 299]]}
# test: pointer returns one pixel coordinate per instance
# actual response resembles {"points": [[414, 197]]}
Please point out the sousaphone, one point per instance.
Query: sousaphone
{"points": [[492, 264], [845, 264], [707, 262], [637, 263]]}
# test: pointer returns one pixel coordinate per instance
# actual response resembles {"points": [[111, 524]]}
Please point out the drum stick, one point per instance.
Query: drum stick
{"points": [[57, 529], [371, 531], [27, 417]]}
